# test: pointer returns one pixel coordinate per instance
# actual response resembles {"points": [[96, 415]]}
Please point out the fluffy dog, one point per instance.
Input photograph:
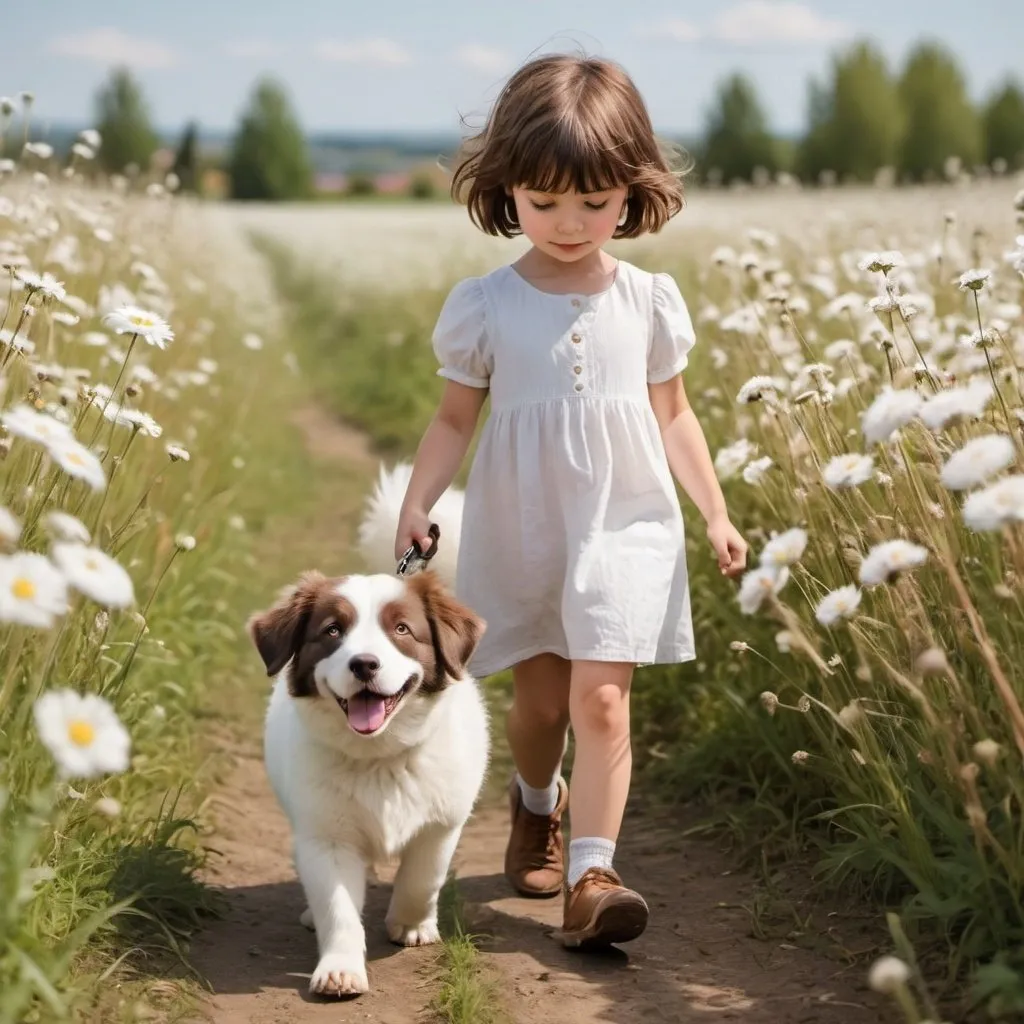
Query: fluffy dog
{"points": [[376, 741]]}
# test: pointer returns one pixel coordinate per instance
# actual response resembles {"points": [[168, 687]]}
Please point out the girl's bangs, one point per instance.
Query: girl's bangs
{"points": [[564, 158]]}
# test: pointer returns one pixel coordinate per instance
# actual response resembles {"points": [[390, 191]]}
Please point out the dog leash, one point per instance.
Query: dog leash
{"points": [[415, 559]]}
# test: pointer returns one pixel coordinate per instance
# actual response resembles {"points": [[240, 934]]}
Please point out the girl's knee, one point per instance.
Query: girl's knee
{"points": [[601, 710]]}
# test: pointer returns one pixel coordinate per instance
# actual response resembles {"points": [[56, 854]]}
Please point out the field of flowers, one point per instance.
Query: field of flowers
{"points": [[137, 457], [858, 371]]}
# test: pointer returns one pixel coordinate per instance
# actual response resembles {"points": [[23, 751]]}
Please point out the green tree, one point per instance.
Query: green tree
{"points": [[737, 140], [123, 121], [1003, 121], [269, 157], [941, 121], [855, 120], [186, 160]]}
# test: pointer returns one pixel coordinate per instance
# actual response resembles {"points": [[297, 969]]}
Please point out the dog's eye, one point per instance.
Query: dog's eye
{"points": [[402, 629], [333, 630]]}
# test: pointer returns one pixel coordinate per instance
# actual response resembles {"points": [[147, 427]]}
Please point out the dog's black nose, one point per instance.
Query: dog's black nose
{"points": [[364, 667]]}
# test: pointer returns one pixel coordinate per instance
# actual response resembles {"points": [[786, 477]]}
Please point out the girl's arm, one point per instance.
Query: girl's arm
{"points": [[438, 458], [692, 465]]}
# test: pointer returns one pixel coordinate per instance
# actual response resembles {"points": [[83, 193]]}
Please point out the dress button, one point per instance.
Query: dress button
{"points": [[577, 369], [579, 387], [576, 303], [576, 339]]}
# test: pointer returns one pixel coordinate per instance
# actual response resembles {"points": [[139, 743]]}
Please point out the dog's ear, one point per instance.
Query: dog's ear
{"points": [[277, 632], [456, 628]]}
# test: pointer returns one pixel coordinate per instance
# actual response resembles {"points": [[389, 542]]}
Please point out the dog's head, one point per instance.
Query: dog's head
{"points": [[366, 643]]}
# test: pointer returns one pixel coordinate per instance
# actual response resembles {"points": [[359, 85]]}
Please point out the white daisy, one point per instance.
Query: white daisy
{"points": [[149, 326], [95, 339], [754, 471], [134, 418], [78, 461], [980, 458], [757, 388], [966, 402], [10, 528], [785, 548], [881, 262], [839, 604], [888, 974], [83, 734], [974, 280], [996, 505], [91, 137], [731, 459], [95, 574], [64, 526], [17, 342], [24, 421], [891, 410], [46, 284], [32, 591], [253, 342], [848, 470], [889, 557], [177, 453], [757, 584]]}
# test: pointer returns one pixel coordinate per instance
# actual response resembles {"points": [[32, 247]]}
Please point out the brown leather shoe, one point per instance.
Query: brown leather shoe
{"points": [[600, 911], [534, 857]]}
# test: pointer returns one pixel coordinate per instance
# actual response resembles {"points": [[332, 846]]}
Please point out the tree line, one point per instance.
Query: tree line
{"points": [[917, 123]]}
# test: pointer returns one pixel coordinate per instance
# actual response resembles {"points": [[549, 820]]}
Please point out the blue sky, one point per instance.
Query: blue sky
{"points": [[416, 64]]}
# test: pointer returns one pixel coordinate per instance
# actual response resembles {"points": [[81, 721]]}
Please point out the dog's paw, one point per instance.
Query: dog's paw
{"points": [[339, 974], [422, 934], [306, 920]]}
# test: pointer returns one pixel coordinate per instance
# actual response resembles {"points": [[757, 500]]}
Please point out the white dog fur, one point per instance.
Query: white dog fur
{"points": [[365, 777]]}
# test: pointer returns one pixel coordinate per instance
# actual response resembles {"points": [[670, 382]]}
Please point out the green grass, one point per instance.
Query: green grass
{"points": [[466, 995]]}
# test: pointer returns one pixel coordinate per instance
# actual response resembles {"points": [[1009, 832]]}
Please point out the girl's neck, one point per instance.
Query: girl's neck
{"points": [[592, 272]]}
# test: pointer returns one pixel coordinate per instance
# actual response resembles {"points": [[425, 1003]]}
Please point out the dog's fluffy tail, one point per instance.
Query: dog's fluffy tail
{"points": [[379, 524]]}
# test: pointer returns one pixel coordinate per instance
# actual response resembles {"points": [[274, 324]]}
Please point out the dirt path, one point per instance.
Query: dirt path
{"points": [[698, 960]]}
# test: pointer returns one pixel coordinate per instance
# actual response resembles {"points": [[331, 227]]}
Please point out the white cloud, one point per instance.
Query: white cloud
{"points": [[487, 59], [254, 49], [112, 46], [754, 23], [763, 21], [675, 29], [375, 52]]}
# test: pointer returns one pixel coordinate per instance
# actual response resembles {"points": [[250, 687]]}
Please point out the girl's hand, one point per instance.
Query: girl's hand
{"points": [[413, 524], [729, 546]]}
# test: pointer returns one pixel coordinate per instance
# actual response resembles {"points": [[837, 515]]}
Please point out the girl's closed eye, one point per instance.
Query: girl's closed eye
{"points": [[596, 206]]}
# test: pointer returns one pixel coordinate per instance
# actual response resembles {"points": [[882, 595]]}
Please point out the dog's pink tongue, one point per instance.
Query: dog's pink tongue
{"points": [[366, 712]]}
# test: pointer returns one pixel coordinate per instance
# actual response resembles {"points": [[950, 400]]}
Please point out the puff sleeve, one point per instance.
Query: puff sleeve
{"points": [[460, 336], [672, 334]]}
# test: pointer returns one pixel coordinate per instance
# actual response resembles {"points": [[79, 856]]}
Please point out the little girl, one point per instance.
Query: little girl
{"points": [[572, 539]]}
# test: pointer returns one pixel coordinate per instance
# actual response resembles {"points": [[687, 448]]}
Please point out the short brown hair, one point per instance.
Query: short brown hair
{"points": [[561, 122]]}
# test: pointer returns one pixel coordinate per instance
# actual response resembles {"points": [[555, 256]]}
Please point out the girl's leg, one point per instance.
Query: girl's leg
{"points": [[537, 730], [538, 722], [599, 710], [599, 909]]}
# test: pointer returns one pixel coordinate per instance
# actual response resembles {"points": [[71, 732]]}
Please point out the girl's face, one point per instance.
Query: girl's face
{"points": [[569, 225]]}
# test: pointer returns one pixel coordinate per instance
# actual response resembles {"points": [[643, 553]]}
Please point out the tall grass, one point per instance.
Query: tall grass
{"points": [[159, 459], [860, 696]]}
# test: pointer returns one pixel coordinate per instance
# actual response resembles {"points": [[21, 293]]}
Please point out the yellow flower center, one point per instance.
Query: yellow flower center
{"points": [[23, 589], [81, 733], [92, 564], [75, 458], [143, 321]]}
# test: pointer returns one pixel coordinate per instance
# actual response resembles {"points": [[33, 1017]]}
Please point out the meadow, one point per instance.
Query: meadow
{"points": [[857, 370], [858, 694], [137, 456]]}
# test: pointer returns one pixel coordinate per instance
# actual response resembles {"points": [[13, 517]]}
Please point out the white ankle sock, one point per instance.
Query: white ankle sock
{"points": [[588, 852], [539, 801]]}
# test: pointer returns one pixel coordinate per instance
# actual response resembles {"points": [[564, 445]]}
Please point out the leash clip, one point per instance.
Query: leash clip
{"points": [[416, 559]]}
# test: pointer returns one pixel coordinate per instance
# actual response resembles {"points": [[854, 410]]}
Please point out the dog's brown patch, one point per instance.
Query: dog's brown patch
{"points": [[308, 624], [455, 630]]}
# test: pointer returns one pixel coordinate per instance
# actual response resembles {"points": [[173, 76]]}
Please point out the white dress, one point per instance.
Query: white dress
{"points": [[572, 537]]}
